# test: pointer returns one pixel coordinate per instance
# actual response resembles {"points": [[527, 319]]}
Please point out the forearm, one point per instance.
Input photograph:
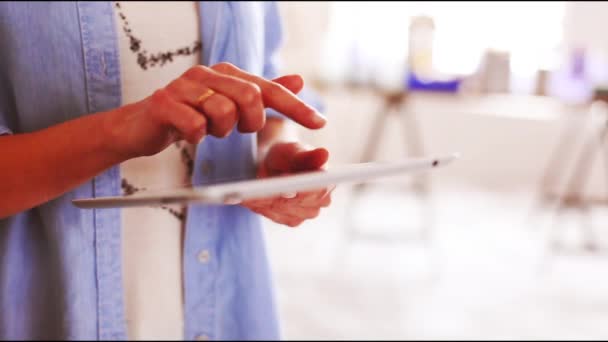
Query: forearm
{"points": [[37, 167]]}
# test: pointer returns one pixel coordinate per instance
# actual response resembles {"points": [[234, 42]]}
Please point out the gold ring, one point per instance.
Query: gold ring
{"points": [[204, 96]]}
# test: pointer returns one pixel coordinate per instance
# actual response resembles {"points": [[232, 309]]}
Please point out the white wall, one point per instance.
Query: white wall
{"points": [[305, 24], [585, 24]]}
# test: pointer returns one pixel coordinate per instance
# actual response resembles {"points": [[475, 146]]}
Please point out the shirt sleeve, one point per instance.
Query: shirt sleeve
{"points": [[4, 119], [5, 130], [273, 40]]}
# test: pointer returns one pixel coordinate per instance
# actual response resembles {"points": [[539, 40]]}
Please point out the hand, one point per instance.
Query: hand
{"points": [[173, 112], [289, 158]]}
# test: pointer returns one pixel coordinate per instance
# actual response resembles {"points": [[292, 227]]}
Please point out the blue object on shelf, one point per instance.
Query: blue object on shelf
{"points": [[414, 83]]}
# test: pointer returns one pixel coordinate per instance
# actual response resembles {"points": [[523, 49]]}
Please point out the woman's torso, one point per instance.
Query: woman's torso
{"points": [[60, 267]]}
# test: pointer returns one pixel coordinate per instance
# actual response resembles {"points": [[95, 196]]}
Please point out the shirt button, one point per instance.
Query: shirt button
{"points": [[202, 338], [204, 256]]}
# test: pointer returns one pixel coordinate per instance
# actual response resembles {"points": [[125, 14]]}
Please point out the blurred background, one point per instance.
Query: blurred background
{"points": [[507, 243]]}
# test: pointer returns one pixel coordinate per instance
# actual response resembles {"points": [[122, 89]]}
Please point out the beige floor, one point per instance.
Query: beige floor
{"points": [[486, 277]]}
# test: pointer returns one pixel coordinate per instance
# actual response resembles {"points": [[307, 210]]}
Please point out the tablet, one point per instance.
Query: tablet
{"points": [[235, 192]]}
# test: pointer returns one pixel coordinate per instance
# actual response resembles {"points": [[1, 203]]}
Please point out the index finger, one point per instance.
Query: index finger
{"points": [[278, 97]]}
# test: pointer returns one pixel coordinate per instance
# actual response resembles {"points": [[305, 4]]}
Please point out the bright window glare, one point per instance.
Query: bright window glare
{"points": [[368, 41]]}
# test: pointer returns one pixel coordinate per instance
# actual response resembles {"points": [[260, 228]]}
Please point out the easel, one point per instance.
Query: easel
{"points": [[572, 197], [394, 104]]}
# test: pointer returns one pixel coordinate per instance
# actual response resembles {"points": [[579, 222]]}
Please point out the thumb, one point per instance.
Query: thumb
{"points": [[279, 158], [309, 160], [293, 157]]}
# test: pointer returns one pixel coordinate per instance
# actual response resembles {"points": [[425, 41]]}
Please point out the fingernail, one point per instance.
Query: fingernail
{"points": [[319, 119], [289, 195]]}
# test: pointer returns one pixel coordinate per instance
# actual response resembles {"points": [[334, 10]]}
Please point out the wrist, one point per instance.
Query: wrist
{"points": [[112, 135]]}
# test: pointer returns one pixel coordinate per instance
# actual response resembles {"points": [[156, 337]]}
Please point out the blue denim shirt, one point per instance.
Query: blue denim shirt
{"points": [[60, 266]]}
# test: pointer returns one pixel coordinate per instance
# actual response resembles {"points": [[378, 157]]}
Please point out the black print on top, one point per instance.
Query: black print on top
{"points": [[130, 189], [186, 158], [145, 59]]}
